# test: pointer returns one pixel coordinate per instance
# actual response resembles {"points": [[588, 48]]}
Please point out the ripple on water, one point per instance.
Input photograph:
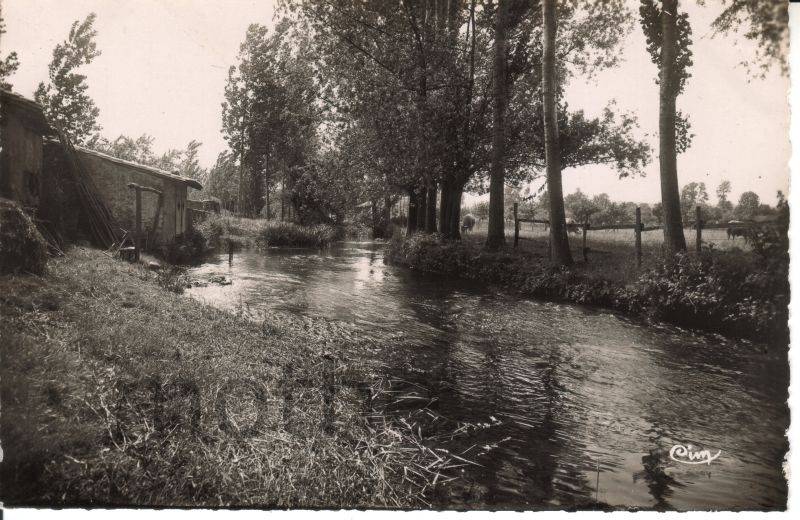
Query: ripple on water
{"points": [[571, 388]]}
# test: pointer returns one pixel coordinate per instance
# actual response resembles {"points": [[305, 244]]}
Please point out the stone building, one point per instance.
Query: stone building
{"points": [[110, 178], [35, 171]]}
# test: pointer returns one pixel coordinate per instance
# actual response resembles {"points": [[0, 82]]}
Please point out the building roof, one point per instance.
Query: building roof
{"points": [[31, 111], [142, 168]]}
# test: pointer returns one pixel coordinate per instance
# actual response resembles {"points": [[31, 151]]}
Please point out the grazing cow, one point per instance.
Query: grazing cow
{"points": [[736, 228], [468, 222]]}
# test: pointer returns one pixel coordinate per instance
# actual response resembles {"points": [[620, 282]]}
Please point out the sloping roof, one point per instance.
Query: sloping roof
{"points": [[142, 168], [31, 110]]}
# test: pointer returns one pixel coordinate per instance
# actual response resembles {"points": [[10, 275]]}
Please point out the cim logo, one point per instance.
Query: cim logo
{"points": [[688, 455]]}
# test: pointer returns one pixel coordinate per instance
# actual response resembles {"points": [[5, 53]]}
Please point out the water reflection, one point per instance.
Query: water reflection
{"points": [[575, 406]]}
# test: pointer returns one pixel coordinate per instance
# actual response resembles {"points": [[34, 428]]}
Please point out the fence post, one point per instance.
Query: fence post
{"points": [[638, 234], [585, 250], [698, 223], [516, 225]]}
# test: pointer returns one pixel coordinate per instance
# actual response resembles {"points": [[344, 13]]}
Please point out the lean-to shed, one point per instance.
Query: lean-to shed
{"points": [[110, 178]]}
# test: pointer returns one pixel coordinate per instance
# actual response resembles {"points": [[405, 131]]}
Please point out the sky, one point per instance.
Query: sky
{"points": [[164, 64]]}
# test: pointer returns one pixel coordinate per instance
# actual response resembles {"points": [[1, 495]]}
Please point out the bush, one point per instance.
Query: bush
{"points": [[217, 230], [22, 248], [727, 292], [186, 249], [287, 234]]}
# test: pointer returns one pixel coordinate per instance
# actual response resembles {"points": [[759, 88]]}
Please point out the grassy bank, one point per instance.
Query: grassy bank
{"points": [[733, 292], [217, 229], [117, 391]]}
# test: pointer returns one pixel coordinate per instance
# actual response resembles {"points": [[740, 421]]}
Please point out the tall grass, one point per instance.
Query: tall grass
{"points": [[116, 391], [287, 234], [218, 229]]}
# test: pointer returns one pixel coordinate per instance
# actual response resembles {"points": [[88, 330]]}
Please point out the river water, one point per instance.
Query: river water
{"points": [[568, 405]]}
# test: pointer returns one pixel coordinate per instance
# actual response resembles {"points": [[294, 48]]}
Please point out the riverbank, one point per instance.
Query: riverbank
{"points": [[734, 293], [139, 396], [217, 230]]}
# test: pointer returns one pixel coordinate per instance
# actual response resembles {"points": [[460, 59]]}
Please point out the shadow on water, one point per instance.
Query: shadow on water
{"points": [[563, 406]]}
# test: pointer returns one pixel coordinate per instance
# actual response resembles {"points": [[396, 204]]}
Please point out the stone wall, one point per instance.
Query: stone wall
{"points": [[111, 179]]}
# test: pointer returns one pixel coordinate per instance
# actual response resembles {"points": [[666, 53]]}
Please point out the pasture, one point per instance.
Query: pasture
{"points": [[611, 253]]}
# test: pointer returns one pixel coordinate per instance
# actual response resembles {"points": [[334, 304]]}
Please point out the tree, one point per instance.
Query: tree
{"points": [[580, 207], [668, 36], [749, 203], [766, 22], [190, 164], [496, 234], [223, 181], [692, 195], [270, 116], [559, 242], [10, 63], [723, 190], [658, 212], [64, 99]]}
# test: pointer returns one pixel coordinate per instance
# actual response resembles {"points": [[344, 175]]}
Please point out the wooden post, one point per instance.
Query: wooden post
{"points": [[138, 237], [698, 223], [516, 225], [638, 234], [230, 251], [585, 250]]}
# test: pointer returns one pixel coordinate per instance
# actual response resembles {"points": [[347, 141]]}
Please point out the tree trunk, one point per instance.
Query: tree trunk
{"points": [[559, 242], [444, 215], [411, 221], [496, 236], [387, 217], [454, 212], [668, 157], [430, 214], [422, 207]]}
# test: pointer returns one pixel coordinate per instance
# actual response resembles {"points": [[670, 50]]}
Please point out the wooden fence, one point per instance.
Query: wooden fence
{"points": [[637, 226]]}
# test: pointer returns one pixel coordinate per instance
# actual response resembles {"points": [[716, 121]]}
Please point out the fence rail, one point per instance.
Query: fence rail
{"points": [[699, 225]]}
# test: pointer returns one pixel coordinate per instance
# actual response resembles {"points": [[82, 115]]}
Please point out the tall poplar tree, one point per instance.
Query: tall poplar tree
{"points": [[65, 100]]}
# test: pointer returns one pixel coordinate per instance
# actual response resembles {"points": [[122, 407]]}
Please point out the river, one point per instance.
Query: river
{"points": [[568, 405]]}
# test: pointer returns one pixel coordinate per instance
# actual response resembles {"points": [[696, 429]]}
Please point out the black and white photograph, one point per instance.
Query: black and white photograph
{"points": [[413, 255]]}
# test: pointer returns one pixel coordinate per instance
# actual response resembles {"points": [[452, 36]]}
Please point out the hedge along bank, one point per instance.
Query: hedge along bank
{"points": [[717, 291]]}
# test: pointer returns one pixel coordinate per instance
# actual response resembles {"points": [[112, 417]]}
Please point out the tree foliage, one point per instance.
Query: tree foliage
{"points": [[766, 22], [65, 99], [10, 63]]}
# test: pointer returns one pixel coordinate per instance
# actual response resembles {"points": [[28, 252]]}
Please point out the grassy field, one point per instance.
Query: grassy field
{"points": [[117, 391], [611, 252]]}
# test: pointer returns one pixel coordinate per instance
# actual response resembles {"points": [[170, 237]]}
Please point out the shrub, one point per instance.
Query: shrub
{"points": [[728, 292], [218, 229], [22, 248], [186, 249], [287, 234], [720, 292]]}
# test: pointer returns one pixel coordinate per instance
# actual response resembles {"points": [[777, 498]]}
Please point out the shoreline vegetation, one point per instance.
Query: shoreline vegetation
{"points": [[739, 294], [216, 230], [139, 396]]}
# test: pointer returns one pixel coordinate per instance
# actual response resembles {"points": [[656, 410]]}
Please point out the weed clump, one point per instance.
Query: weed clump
{"points": [[22, 248], [721, 291]]}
